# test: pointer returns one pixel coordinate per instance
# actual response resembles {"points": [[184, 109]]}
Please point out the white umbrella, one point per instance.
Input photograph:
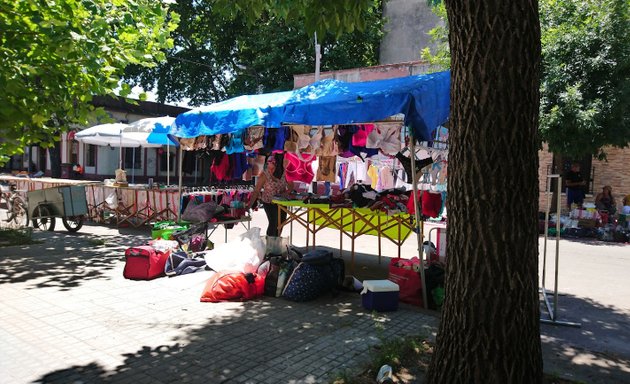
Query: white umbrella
{"points": [[107, 135], [115, 135], [160, 134]]}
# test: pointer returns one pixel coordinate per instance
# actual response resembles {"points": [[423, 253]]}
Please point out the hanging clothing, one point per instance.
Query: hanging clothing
{"points": [[431, 204], [299, 169], [327, 169], [221, 169], [373, 175]]}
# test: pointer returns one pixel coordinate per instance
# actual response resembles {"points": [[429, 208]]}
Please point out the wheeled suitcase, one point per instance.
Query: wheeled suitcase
{"points": [[144, 263]]}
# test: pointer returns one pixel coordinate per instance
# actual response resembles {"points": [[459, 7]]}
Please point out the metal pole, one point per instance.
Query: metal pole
{"points": [[179, 210], [168, 162], [317, 58], [553, 311], [418, 229], [133, 165], [555, 285]]}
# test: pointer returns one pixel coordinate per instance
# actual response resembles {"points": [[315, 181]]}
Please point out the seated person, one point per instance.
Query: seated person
{"points": [[604, 201], [625, 210]]}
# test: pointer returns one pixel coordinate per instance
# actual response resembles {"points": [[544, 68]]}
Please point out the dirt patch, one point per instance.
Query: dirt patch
{"points": [[409, 359]]}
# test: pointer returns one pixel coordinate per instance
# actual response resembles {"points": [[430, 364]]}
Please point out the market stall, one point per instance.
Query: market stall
{"points": [[350, 222]]}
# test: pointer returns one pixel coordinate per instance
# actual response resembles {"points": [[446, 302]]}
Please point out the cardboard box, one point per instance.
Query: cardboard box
{"points": [[380, 295]]}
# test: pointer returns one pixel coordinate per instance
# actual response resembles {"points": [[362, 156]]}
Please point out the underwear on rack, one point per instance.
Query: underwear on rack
{"points": [[221, 169], [327, 170], [274, 139], [299, 169], [253, 138], [385, 137], [235, 145], [360, 134]]}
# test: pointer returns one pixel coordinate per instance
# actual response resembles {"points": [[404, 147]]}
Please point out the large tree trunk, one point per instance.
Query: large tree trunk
{"points": [[55, 160], [489, 332]]}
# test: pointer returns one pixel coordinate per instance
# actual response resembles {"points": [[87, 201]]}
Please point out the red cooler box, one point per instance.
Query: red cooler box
{"points": [[380, 295], [144, 263]]}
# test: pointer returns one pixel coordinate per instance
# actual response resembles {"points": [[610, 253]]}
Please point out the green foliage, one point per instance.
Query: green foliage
{"points": [[321, 16], [585, 83], [219, 55], [56, 55], [439, 37], [585, 88]]}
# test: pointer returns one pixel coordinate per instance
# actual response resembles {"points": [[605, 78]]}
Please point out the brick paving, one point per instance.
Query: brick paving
{"points": [[68, 316]]}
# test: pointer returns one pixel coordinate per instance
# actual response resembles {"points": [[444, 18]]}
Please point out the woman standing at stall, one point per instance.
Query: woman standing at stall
{"points": [[271, 182]]}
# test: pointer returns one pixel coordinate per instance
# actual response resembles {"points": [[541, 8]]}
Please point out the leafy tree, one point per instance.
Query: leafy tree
{"points": [[585, 86], [586, 75], [218, 55], [56, 55]]}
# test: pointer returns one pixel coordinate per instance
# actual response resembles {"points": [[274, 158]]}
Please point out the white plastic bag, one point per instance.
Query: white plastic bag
{"points": [[243, 254], [112, 200]]}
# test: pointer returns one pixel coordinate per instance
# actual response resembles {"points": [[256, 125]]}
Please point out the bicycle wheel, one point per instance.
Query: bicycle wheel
{"points": [[19, 212], [43, 223], [72, 223]]}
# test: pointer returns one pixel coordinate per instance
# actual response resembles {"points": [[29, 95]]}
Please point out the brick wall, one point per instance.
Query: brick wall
{"points": [[379, 72]]}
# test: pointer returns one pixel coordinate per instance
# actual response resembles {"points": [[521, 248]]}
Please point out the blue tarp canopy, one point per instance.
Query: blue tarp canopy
{"points": [[232, 115], [423, 99]]}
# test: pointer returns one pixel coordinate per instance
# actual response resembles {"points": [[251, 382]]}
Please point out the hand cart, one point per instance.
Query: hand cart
{"points": [[67, 202]]}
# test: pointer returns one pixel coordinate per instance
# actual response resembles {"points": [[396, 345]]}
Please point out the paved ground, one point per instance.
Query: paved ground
{"points": [[68, 316]]}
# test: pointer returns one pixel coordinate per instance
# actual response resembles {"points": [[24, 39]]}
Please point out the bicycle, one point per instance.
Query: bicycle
{"points": [[16, 207]]}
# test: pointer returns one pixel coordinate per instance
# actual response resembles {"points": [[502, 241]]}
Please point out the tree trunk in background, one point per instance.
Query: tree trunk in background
{"points": [[55, 160], [489, 332]]}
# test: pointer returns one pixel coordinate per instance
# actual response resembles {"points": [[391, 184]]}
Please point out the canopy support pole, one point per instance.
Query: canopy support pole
{"points": [[168, 164], [418, 225], [133, 166], [181, 160]]}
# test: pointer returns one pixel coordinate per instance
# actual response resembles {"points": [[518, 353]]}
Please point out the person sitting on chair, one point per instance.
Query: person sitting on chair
{"points": [[605, 201]]}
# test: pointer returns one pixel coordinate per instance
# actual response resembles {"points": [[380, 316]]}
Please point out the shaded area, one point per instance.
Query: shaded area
{"points": [[596, 352], [263, 341], [64, 260]]}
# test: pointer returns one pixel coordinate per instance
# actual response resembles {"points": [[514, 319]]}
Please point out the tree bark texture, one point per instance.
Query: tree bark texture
{"points": [[489, 332]]}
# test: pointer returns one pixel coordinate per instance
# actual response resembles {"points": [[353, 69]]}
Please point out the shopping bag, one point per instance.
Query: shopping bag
{"points": [[405, 273]]}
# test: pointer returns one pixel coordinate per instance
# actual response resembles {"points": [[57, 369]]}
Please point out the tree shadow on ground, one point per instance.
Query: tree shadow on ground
{"points": [[598, 351], [64, 260], [264, 341]]}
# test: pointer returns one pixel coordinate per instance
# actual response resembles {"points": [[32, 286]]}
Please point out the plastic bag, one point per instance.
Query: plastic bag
{"points": [[276, 245], [112, 200], [243, 254]]}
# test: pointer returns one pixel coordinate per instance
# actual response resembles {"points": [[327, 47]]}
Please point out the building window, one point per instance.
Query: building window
{"points": [[90, 155], [133, 158]]}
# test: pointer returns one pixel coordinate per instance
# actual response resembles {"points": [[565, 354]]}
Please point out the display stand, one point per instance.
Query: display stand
{"points": [[552, 311]]}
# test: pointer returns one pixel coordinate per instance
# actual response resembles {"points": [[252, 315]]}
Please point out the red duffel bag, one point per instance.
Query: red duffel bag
{"points": [[233, 286], [144, 263], [405, 273]]}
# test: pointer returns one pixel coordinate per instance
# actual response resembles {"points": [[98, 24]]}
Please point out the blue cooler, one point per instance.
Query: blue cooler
{"points": [[380, 295]]}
